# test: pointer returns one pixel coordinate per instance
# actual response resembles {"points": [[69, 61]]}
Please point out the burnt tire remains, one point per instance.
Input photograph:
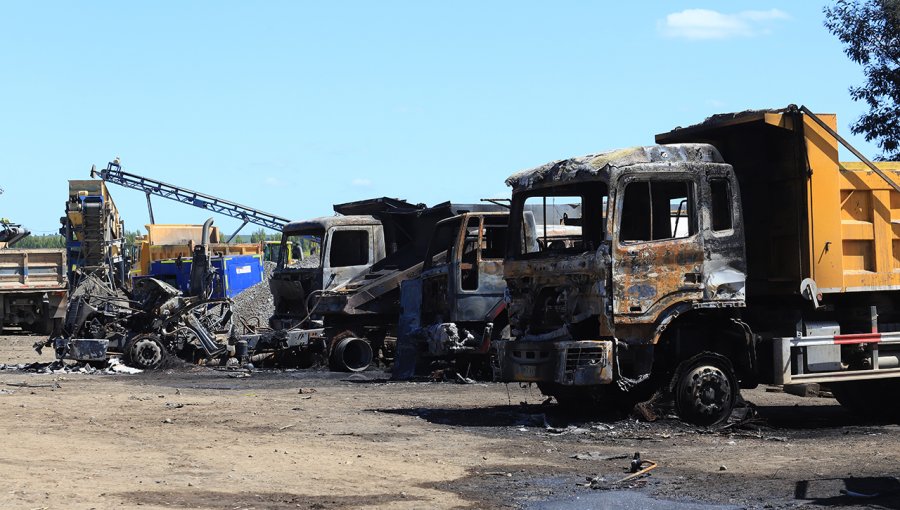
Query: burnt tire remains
{"points": [[144, 351], [705, 389]]}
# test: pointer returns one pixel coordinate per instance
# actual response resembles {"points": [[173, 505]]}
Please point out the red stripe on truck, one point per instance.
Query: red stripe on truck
{"points": [[857, 338]]}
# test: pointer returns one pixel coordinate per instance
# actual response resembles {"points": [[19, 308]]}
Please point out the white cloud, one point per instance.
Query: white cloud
{"points": [[362, 183], [699, 24], [275, 182]]}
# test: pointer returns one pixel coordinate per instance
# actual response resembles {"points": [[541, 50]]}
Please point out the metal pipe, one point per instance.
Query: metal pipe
{"points": [[244, 224], [150, 208], [204, 237]]}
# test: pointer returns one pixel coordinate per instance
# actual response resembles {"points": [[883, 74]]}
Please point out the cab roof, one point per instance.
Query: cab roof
{"points": [[598, 166], [326, 222]]}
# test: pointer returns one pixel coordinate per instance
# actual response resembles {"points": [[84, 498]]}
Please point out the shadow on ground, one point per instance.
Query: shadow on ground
{"points": [[872, 492]]}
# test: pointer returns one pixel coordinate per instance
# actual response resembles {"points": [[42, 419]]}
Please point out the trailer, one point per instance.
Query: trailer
{"points": [[33, 288], [737, 251]]}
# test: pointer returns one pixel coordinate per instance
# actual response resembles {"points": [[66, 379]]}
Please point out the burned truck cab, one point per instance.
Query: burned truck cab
{"points": [[637, 237], [320, 254], [455, 307]]}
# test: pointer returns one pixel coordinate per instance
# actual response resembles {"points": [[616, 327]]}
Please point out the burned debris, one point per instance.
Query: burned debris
{"points": [[147, 323]]}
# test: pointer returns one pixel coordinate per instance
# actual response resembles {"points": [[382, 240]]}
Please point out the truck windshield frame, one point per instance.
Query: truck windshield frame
{"points": [[594, 203], [299, 240], [440, 246]]}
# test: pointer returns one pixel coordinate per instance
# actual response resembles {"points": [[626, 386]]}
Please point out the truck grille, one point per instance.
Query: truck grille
{"points": [[584, 356]]}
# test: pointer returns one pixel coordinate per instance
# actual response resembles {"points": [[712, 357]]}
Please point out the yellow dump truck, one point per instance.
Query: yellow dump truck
{"points": [[166, 252], [734, 252], [168, 242]]}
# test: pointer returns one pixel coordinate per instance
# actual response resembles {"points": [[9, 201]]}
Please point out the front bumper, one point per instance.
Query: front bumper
{"points": [[570, 363], [81, 349]]}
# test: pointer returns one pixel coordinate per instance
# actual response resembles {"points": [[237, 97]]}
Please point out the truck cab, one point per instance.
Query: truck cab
{"points": [[455, 307], [653, 232], [318, 254], [325, 253]]}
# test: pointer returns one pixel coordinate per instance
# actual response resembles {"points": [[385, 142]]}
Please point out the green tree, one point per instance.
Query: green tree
{"points": [[41, 241], [258, 235], [870, 31]]}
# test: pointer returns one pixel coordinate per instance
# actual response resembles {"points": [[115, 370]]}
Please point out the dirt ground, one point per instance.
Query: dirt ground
{"points": [[201, 438]]}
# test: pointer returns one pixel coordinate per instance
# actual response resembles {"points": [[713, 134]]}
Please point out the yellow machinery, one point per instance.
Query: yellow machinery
{"points": [[167, 242], [94, 231]]}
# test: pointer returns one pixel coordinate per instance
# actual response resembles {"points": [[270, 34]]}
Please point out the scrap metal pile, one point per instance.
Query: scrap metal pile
{"points": [[147, 324]]}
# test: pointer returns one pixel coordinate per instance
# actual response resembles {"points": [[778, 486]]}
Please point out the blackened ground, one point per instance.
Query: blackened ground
{"points": [[202, 438]]}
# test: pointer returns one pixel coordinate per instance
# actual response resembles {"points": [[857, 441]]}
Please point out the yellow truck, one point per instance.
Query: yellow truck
{"points": [[166, 253], [734, 252]]}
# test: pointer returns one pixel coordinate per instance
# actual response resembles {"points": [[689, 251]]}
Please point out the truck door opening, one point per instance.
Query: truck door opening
{"points": [[349, 248], [654, 211]]}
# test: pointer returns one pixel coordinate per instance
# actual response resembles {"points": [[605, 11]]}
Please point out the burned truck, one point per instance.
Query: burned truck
{"points": [[147, 323], [366, 238], [326, 252], [360, 316], [738, 251], [453, 310]]}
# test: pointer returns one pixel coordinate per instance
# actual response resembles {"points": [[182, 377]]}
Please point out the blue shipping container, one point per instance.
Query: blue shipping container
{"points": [[234, 273]]}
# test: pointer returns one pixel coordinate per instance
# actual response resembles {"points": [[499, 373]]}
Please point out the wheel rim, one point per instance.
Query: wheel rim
{"points": [[146, 352], [708, 391]]}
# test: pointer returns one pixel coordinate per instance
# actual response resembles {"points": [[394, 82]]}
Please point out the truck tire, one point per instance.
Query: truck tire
{"points": [[705, 389], [866, 398], [144, 351]]}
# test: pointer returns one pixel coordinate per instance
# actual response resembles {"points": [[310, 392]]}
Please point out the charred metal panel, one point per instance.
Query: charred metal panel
{"points": [[82, 349], [411, 295], [550, 293], [598, 166], [336, 274], [574, 363]]}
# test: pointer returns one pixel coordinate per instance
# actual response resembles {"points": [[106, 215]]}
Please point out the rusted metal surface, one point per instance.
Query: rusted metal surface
{"points": [[580, 363], [600, 166], [620, 287]]}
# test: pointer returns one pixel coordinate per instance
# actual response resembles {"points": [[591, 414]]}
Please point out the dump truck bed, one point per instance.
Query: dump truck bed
{"points": [[806, 214], [32, 270]]}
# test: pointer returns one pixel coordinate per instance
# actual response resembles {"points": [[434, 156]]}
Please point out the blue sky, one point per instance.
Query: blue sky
{"points": [[293, 106]]}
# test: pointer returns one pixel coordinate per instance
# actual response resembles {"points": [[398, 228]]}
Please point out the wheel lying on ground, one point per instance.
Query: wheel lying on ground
{"points": [[349, 353], [705, 389], [144, 351], [872, 399]]}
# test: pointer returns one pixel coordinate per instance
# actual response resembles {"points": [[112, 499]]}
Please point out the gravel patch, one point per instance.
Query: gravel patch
{"points": [[256, 302]]}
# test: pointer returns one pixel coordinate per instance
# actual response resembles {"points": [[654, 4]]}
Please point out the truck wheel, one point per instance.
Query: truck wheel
{"points": [[144, 351], [866, 398], [349, 353], [705, 389]]}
